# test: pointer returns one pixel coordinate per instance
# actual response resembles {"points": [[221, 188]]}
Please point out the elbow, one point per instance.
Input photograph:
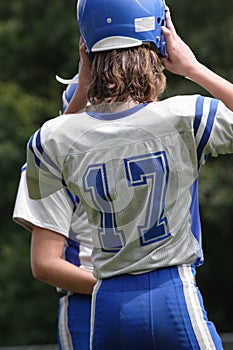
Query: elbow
{"points": [[39, 271]]}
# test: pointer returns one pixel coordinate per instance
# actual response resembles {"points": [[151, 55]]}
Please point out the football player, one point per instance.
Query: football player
{"points": [[133, 160]]}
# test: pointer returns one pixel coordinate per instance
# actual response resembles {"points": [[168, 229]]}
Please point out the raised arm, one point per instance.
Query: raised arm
{"points": [[181, 60], [79, 99]]}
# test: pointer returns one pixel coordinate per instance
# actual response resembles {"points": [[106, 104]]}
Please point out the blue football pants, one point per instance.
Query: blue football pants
{"points": [[159, 310], [74, 314]]}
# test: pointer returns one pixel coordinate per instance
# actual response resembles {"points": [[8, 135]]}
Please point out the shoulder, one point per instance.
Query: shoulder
{"points": [[56, 125], [53, 134], [196, 108], [181, 105], [175, 112], [176, 108]]}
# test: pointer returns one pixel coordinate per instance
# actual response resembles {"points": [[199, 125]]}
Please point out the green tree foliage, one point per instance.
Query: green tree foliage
{"points": [[21, 320], [216, 198], [39, 39], [28, 309], [207, 27], [20, 114]]}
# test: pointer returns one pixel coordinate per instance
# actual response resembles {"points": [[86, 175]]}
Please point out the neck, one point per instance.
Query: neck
{"points": [[113, 107]]}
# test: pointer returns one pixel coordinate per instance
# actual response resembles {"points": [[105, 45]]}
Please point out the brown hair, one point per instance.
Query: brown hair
{"points": [[126, 74]]}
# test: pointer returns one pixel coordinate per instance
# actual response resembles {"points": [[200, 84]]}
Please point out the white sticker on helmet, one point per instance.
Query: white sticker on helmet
{"points": [[144, 24]]}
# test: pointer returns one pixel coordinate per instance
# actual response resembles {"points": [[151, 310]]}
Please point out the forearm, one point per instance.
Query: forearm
{"points": [[79, 99], [217, 86], [48, 265], [60, 273]]}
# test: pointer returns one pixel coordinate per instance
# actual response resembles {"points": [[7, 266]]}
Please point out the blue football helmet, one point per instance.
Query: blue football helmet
{"points": [[114, 24]]}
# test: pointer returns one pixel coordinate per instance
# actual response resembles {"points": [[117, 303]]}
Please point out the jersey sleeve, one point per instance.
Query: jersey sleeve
{"points": [[213, 128], [221, 138], [53, 212], [44, 176]]}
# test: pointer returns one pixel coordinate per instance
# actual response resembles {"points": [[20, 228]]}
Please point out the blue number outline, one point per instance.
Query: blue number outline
{"points": [[151, 170], [111, 238]]}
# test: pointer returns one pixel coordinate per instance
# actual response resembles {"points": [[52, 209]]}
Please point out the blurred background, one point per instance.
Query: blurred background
{"points": [[39, 39]]}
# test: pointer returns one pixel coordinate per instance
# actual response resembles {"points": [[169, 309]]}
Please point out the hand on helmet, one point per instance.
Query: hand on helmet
{"points": [[180, 59], [79, 98], [84, 63]]}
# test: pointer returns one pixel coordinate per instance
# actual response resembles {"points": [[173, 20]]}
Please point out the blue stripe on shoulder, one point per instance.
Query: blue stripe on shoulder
{"points": [[38, 142], [198, 113], [208, 127], [37, 160], [41, 150], [44, 157]]}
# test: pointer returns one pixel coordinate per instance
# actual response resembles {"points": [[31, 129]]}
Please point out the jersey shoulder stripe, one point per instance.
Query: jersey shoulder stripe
{"points": [[206, 109], [198, 113], [208, 127], [36, 158], [36, 139], [42, 159]]}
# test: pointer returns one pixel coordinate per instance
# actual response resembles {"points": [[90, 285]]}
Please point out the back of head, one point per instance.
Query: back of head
{"points": [[124, 39], [125, 75]]}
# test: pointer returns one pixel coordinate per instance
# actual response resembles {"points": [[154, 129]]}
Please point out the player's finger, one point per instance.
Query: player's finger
{"points": [[82, 45], [169, 23], [169, 37], [81, 42]]}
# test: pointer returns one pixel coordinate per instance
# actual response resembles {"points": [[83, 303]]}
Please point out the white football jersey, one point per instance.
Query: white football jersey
{"points": [[61, 212], [136, 173]]}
